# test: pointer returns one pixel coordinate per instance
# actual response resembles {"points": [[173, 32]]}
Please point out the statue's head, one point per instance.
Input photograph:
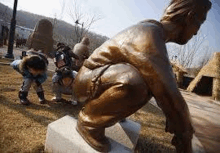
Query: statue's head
{"points": [[188, 15], [85, 41]]}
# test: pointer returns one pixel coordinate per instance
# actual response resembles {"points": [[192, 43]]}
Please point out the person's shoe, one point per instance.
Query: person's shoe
{"points": [[42, 100], [94, 137], [23, 98], [55, 99], [24, 101], [123, 120], [73, 102]]}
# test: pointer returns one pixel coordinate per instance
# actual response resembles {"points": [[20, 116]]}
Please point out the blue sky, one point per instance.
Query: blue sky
{"points": [[120, 14]]}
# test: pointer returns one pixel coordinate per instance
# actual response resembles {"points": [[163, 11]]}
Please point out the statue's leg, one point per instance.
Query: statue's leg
{"points": [[121, 92]]}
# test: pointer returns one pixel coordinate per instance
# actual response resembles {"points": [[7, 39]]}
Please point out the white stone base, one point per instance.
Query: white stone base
{"points": [[62, 137], [197, 147]]}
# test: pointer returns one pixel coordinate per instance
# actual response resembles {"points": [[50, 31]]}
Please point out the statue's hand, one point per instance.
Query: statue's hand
{"points": [[183, 142], [169, 127]]}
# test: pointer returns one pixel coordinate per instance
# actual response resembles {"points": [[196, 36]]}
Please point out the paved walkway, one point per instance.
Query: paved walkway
{"points": [[205, 114]]}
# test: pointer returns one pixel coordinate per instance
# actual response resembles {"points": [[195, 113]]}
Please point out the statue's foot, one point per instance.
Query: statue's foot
{"points": [[73, 102], [94, 137]]}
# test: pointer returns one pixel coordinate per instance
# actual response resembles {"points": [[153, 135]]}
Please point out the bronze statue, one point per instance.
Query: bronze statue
{"points": [[124, 73], [82, 51]]}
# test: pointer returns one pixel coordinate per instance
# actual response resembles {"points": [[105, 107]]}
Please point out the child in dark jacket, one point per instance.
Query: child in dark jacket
{"points": [[63, 82], [33, 68]]}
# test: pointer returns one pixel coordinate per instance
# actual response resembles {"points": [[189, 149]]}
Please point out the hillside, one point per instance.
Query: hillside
{"points": [[63, 32]]}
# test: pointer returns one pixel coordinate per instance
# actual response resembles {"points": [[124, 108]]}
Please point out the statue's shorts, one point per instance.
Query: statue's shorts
{"points": [[110, 93]]}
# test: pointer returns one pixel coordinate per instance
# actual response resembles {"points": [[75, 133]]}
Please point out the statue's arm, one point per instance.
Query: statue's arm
{"points": [[178, 120], [160, 79]]}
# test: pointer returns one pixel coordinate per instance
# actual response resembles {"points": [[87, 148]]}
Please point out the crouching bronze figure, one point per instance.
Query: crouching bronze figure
{"points": [[124, 73]]}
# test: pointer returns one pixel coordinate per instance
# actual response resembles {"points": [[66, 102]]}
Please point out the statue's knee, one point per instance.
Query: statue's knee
{"points": [[134, 91], [133, 80], [132, 83]]}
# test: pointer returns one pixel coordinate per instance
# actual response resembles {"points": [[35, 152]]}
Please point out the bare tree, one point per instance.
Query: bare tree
{"points": [[95, 41], [83, 21], [186, 55], [56, 23], [5, 15], [204, 59]]}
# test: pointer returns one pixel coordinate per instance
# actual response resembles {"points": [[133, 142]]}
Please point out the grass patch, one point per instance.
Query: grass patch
{"points": [[23, 128]]}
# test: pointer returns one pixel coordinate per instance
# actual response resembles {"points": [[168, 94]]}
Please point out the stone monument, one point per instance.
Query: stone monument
{"points": [[42, 37]]}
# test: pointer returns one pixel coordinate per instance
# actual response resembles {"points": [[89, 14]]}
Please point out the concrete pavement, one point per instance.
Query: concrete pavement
{"points": [[205, 114]]}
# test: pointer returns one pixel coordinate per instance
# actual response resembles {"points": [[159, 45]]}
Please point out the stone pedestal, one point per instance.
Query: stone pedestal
{"points": [[62, 137], [197, 147]]}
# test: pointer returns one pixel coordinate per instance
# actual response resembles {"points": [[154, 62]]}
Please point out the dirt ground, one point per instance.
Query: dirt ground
{"points": [[23, 128]]}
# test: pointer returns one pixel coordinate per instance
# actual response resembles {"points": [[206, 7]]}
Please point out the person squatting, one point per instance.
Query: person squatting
{"points": [[66, 69], [63, 81], [63, 78], [33, 68]]}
